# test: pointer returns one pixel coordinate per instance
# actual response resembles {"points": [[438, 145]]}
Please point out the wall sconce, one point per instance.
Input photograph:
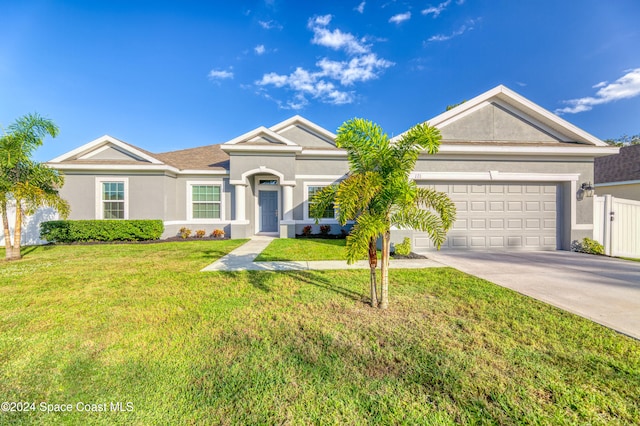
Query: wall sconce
{"points": [[588, 189]]}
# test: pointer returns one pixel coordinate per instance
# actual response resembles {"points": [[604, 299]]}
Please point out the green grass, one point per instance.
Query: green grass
{"points": [[631, 259], [140, 324], [283, 249]]}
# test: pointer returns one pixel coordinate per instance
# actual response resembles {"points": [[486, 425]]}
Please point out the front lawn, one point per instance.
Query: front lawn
{"points": [[140, 324], [287, 249]]}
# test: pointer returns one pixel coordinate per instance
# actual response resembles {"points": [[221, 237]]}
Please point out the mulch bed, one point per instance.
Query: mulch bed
{"points": [[176, 239], [411, 255]]}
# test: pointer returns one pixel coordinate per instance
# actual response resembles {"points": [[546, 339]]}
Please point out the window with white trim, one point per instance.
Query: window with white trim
{"points": [[312, 190], [112, 199], [206, 201]]}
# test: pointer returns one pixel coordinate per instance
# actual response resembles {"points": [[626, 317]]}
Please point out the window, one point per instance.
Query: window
{"points": [[112, 198], [329, 212], [205, 202], [268, 181]]}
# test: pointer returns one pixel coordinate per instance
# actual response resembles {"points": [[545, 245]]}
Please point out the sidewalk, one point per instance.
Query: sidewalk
{"points": [[242, 259]]}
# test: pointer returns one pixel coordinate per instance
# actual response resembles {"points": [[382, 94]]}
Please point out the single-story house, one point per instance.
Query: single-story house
{"points": [[513, 169], [619, 175]]}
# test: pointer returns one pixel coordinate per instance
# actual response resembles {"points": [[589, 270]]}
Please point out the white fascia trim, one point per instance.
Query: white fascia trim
{"points": [[261, 148], [313, 127], [195, 222], [323, 177], [322, 153], [86, 148], [262, 170], [624, 182], [588, 151], [216, 182], [495, 176], [114, 167], [98, 194], [133, 167], [205, 172], [260, 131]]}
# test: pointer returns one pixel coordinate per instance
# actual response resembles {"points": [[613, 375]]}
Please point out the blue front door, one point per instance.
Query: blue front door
{"points": [[268, 211]]}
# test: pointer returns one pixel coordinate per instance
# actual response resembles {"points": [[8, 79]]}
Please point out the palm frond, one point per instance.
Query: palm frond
{"points": [[366, 228], [429, 198]]}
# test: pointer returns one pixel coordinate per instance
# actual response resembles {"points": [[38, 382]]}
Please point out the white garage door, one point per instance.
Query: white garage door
{"points": [[494, 216]]}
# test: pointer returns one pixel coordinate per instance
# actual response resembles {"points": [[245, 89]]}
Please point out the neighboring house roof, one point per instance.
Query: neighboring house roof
{"points": [[622, 167]]}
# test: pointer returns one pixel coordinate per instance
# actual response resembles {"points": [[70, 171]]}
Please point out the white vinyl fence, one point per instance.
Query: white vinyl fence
{"points": [[30, 225], [616, 225]]}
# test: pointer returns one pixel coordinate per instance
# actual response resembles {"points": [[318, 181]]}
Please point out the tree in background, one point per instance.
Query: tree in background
{"points": [[28, 184], [379, 194], [624, 140]]}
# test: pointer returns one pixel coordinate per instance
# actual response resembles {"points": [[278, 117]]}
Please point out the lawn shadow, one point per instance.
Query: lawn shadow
{"points": [[317, 279]]}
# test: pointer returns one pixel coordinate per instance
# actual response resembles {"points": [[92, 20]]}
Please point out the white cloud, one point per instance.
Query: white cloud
{"points": [[331, 81], [269, 25], [336, 39], [220, 74], [259, 49], [360, 7], [361, 68], [400, 18], [445, 37], [470, 25], [304, 83], [437, 10], [627, 86]]}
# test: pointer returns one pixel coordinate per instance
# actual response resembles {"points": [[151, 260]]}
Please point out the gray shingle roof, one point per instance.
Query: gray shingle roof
{"points": [[621, 167], [209, 157]]}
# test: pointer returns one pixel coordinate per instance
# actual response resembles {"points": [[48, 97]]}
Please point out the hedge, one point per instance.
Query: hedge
{"points": [[71, 231]]}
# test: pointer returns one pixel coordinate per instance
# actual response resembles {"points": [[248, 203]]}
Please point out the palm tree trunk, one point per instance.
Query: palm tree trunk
{"points": [[7, 233], [373, 263], [17, 233], [386, 249]]}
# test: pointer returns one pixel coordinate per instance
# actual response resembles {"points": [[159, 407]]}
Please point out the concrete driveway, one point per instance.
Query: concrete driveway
{"points": [[602, 289]]}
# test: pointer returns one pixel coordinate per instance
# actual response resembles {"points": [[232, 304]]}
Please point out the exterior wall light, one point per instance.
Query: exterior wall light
{"points": [[588, 189]]}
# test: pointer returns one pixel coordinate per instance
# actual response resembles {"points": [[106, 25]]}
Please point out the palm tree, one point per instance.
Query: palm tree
{"points": [[378, 193], [28, 184]]}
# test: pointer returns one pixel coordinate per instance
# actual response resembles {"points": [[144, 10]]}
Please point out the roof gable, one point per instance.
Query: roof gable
{"points": [[107, 149], [305, 133], [494, 122], [512, 117]]}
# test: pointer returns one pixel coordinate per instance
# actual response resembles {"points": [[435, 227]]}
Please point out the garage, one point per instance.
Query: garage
{"points": [[512, 215]]}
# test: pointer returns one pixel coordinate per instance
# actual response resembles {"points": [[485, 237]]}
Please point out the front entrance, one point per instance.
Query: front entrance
{"points": [[268, 211]]}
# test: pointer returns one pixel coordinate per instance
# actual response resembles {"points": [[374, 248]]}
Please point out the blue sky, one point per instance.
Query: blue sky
{"points": [[172, 75]]}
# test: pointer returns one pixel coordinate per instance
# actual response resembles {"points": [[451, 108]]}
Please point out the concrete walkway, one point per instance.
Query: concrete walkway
{"points": [[242, 259], [602, 289]]}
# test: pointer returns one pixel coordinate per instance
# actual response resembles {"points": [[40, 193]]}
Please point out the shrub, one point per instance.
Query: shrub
{"points": [[306, 231], [587, 245], [184, 232], [404, 248], [200, 233], [324, 229], [70, 231], [217, 233]]}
